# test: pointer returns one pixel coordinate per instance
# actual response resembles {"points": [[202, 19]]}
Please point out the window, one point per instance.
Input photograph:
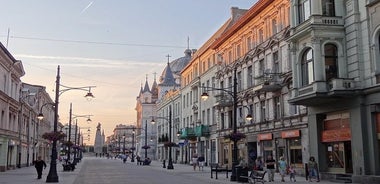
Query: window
{"points": [[249, 43], [229, 57], [222, 121], [328, 8], [307, 69], [277, 107], [331, 61], [263, 113], [239, 81], [208, 62], [249, 76], [274, 26], [238, 51], [303, 10], [276, 67], [261, 36], [261, 67]]}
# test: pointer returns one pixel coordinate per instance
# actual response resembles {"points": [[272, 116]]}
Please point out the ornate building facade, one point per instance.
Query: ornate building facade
{"points": [[334, 48]]}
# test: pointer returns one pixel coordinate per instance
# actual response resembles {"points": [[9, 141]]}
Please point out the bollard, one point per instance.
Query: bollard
{"points": [[163, 164]]}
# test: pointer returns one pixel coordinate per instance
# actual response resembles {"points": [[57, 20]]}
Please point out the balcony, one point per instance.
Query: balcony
{"points": [[223, 99], [187, 133], [202, 131], [318, 22], [324, 92]]}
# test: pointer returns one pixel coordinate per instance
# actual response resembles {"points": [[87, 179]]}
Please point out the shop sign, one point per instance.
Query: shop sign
{"points": [[343, 134], [290, 134], [263, 137]]}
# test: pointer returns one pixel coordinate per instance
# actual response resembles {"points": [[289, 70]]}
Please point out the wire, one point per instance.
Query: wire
{"points": [[95, 42]]}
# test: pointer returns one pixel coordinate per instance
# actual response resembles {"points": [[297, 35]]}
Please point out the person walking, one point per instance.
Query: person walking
{"points": [[292, 173], [313, 169], [282, 166], [39, 164], [201, 162], [270, 162], [194, 161]]}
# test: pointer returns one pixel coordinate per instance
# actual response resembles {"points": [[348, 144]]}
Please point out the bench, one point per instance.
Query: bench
{"points": [[68, 167], [255, 176], [216, 168]]}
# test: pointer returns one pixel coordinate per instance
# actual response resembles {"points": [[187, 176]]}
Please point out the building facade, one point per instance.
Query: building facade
{"points": [[334, 48]]}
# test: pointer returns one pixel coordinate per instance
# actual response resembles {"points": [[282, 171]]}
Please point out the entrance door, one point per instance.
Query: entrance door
{"points": [[348, 157]]}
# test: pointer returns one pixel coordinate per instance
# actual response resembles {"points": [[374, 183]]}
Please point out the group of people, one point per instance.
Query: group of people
{"points": [[284, 168], [198, 161]]}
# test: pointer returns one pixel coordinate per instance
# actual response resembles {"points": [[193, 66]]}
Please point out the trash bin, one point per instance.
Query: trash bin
{"points": [[241, 171]]}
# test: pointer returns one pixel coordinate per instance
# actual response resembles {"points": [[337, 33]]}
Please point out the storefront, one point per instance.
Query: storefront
{"points": [[293, 140], [266, 143], [336, 137]]}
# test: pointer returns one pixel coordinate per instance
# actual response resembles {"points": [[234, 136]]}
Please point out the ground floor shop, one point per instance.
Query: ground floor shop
{"points": [[346, 138]]}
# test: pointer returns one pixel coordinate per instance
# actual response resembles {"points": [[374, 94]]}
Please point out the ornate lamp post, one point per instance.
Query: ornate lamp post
{"points": [[53, 176], [133, 146], [124, 144], [170, 163], [233, 93]]}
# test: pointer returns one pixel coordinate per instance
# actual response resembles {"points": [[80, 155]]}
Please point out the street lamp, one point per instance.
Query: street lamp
{"points": [[204, 96], [133, 145], [170, 163], [124, 144], [53, 176]]}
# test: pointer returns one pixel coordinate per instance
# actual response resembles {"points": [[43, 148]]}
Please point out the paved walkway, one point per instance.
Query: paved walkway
{"points": [[28, 174]]}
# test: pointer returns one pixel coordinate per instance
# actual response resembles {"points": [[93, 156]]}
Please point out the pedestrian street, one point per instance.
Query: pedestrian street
{"points": [[95, 170]]}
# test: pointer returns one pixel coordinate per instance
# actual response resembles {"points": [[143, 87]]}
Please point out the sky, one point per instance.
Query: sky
{"points": [[114, 45]]}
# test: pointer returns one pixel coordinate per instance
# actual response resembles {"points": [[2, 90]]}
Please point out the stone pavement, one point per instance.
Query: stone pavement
{"points": [[28, 174]]}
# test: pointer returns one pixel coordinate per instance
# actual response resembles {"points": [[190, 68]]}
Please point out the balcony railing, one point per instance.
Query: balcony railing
{"points": [[202, 131], [187, 133]]}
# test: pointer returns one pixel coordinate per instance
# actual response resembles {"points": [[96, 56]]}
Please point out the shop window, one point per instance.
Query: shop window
{"points": [[331, 61], [268, 148], [328, 8], [335, 155], [295, 151], [307, 68]]}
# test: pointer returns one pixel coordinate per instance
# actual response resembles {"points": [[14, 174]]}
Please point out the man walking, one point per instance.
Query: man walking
{"points": [[39, 164]]}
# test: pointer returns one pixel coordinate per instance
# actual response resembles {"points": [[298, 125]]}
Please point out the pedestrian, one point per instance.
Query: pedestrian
{"points": [[313, 169], [282, 167], [201, 162], [292, 173], [270, 162], [259, 164], [194, 161], [39, 164]]}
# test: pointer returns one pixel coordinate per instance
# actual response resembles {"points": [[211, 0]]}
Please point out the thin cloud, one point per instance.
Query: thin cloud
{"points": [[88, 6], [90, 62]]}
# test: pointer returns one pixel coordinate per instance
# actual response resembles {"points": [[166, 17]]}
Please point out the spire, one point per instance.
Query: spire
{"points": [[146, 87], [154, 86], [141, 88], [188, 51]]}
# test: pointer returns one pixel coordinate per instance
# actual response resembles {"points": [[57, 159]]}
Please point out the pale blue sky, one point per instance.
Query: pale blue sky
{"points": [[112, 44]]}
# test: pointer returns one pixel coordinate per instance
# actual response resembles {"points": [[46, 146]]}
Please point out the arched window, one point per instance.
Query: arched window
{"points": [[307, 68], [331, 61]]}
